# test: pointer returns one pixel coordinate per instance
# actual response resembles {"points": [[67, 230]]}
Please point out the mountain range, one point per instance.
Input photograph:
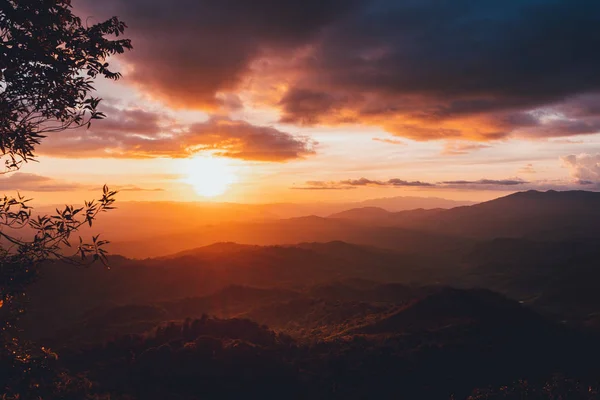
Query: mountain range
{"points": [[474, 296]]}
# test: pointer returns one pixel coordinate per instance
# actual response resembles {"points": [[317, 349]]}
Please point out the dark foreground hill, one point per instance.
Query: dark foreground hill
{"points": [[446, 307], [555, 278], [206, 270], [470, 339]]}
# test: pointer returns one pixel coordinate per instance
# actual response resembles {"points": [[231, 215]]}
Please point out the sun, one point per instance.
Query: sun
{"points": [[210, 176]]}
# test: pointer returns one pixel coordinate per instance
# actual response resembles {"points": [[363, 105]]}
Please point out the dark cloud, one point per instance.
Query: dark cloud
{"points": [[136, 133], [426, 70], [505, 185], [454, 69], [565, 126], [497, 184], [583, 182], [322, 185], [305, 106], [587, 105], [481, 184], [400, 182], [502, 182], [390, 182], [189, 51], [354, 183]]}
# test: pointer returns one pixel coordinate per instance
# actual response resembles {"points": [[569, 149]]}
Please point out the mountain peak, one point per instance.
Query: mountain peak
{"points": [[362, 212]]}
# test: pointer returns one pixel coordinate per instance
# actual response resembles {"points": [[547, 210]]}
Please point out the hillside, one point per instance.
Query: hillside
{"points": [[206, 270], [446, 307], [379, 216], [459, 339]]}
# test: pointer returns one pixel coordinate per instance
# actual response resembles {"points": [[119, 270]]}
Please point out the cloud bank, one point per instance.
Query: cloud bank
{"points": [[481, 184], [425, 70], [138, 133]]}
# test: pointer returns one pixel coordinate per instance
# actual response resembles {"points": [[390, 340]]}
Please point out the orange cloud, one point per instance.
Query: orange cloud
{"points": [[136, 133], [26, 182], [389, 141], [459, 148]]}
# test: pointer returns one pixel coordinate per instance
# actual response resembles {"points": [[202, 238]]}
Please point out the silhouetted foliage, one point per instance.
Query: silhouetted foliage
{"points": [[211, 358], [556, 388], [48, 61], [441, 344]]}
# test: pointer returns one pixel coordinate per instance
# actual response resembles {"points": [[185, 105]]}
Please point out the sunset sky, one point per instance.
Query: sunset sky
{"points": [[328, 100]]}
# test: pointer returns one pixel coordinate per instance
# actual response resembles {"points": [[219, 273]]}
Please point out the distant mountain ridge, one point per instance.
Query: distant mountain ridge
{"points": [[391, 204], [403, 203], [379, 215], [531, 215]]}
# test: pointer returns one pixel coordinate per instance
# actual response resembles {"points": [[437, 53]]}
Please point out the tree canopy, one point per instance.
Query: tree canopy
{"points": [[48, 62], [49, 59]]}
